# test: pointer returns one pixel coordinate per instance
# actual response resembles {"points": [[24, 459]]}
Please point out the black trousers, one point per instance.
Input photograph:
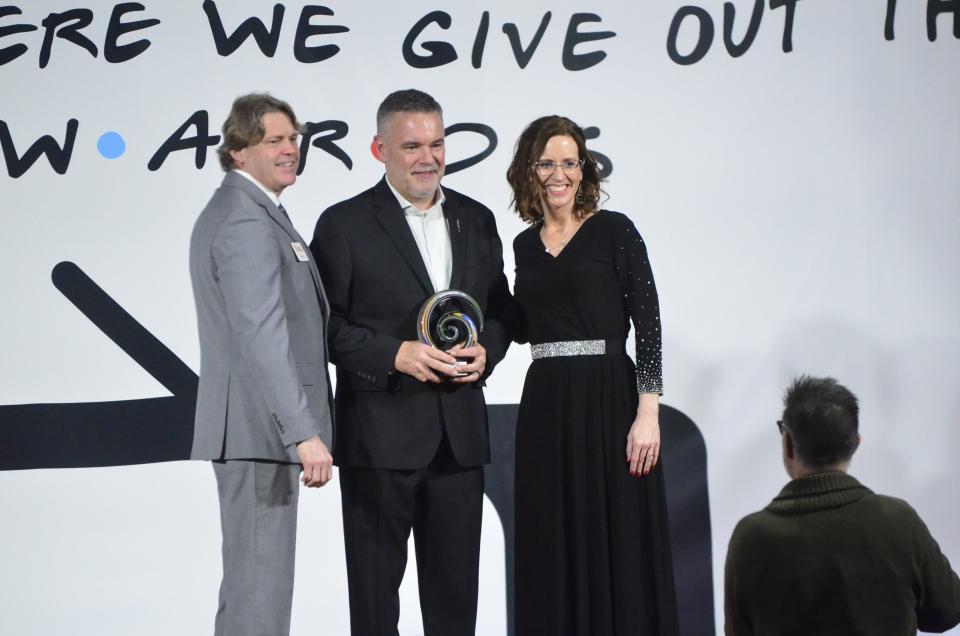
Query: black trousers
{"points": [[443, 505]]}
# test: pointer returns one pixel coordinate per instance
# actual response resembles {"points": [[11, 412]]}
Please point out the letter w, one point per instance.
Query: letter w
{"points": [[266, 39], [58, 156]]}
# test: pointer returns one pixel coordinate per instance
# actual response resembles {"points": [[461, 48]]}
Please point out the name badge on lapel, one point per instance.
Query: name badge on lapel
{"points": [[300, 253]]}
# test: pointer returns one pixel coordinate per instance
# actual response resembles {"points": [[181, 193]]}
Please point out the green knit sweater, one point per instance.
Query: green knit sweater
{"points": [[828, 556]]}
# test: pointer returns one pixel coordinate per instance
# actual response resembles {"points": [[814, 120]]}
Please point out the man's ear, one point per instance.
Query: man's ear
{"points": [[238, 157], [376, 147], [788, 445]]}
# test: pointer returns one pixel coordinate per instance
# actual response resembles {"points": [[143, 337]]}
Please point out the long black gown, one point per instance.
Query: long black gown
{"points": [[592, 544]]}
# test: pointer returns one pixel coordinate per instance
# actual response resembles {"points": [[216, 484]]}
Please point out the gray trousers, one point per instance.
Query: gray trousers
{"points": [[258, 516]]}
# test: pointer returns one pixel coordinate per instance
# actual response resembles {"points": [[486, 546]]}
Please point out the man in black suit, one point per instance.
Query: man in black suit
{"points": [[412, 429]]}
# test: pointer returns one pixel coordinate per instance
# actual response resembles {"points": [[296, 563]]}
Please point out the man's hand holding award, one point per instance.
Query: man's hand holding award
{"points": [[448, 328]]}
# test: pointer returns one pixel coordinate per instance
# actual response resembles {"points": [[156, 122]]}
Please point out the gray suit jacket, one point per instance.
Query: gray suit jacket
{"points": [[262, 316]]}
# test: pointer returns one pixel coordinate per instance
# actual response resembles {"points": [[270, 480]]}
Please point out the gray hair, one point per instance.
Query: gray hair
{"points": [[409, 100]]}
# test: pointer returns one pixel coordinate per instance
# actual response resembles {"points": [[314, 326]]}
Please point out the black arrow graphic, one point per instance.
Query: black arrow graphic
{"points": [[105, 433]]}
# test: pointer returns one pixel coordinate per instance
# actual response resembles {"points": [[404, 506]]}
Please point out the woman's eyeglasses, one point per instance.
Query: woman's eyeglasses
{"points": [[546, 168]]}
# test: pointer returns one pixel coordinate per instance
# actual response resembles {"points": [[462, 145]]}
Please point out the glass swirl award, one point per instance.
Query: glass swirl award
{"points": [[449, 318]]}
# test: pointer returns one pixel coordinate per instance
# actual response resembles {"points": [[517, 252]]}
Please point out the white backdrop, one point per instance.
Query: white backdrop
{"points": [[801, 210]]}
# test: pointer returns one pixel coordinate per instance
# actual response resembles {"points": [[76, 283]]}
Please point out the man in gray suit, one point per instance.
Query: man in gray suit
{"points": [[264, 402]]}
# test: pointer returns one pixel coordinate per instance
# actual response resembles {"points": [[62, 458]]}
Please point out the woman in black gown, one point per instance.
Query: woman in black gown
{"points": [[592, 544]]}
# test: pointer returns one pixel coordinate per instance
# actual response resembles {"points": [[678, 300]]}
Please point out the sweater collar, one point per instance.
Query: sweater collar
{"points": [[820, 491]]}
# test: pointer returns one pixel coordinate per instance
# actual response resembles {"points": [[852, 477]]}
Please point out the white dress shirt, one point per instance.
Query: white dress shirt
{"points": [[272, 195], [429, 228]]}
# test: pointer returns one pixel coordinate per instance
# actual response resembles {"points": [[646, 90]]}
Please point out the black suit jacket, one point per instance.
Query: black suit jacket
{"points": [[376, 282]]}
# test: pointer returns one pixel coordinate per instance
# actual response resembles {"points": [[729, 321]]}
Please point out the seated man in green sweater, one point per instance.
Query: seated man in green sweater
{"points": [[828, 556]]}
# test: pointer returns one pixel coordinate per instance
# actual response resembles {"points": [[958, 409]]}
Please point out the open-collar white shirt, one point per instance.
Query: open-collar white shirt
{"points": [[272, 195], [430, 231]]}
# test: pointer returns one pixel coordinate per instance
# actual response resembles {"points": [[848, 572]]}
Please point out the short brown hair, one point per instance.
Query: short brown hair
{"points": [[244, 125], [527, 196]]}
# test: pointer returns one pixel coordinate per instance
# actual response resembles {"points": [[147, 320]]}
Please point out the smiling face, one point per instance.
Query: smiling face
{"points": [[559, 188], [273, 161], [411, 148]]}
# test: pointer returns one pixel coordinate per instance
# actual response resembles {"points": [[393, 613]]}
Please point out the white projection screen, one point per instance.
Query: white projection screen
{"points": [[794, 167]]}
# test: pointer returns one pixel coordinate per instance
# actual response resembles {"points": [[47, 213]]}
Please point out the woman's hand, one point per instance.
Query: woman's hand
{"points": [[643, 440]]}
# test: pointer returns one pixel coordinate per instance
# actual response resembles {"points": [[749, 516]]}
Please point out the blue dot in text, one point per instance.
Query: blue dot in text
{"points": [[111, 145]]}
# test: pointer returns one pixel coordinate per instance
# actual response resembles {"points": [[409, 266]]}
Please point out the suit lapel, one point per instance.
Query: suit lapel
{"points": [[458, 228], [391, 218], [285, 224], [261, 199], [315, 273]]}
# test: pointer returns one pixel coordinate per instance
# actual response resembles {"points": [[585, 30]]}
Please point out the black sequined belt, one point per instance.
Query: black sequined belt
{"points": [[568, 348]]}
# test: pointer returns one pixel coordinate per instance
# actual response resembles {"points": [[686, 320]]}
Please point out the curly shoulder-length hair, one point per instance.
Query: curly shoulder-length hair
{"points": [[528, 189]]}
